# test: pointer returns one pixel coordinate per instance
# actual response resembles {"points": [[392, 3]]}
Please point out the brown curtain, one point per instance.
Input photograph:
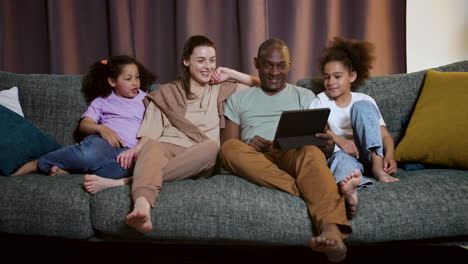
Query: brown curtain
{"points": [[65, 36]]}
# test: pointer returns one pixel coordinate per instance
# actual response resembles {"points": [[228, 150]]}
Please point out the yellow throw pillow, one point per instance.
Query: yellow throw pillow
{"points": [[438, 129]]}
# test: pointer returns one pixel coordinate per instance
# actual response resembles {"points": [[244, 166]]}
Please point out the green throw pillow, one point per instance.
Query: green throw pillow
{"points": [[20, 141]]}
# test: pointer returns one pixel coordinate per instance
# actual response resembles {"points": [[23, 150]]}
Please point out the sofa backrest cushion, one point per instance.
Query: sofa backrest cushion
{"points": [[396, 95], [53, 103]]}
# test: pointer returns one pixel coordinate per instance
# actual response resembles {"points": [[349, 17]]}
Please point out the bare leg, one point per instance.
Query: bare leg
{"points": [[377, 169], [348, 189], [28, 167], [55, 170], [140, 217], [329, 242], [93, 183]]}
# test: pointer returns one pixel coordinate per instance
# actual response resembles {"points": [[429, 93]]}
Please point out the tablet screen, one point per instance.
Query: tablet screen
{"points": [[302, 122]]}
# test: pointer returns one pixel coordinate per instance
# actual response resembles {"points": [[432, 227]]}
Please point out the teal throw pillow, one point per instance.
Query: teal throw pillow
{"points": [[20, 141]]}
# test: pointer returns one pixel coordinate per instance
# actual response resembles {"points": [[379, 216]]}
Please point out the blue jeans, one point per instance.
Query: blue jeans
{"points": [[367, 135], [92, 155]]}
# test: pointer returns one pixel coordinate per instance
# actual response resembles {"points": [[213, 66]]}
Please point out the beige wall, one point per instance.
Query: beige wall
{"points": [[437, 33]]}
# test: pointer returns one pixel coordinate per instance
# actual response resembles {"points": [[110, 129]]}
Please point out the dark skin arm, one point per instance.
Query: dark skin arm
{"points": [[330, 147], [260, 144], [232, 130]]}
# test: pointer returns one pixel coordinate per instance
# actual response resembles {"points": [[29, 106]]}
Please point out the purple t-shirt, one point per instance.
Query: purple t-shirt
{"points": [[123, 115]]}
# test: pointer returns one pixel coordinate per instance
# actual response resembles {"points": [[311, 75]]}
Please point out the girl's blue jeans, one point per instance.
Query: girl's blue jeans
{"points": [[367, 135], [92, 155]]}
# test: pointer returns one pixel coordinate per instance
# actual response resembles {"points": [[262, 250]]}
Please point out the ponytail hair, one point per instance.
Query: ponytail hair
{"points": [[189, 46], [95, 83], [356, 55]]}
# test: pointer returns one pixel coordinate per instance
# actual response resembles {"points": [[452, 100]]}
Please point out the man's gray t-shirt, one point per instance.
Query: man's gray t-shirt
{"points": [[258, 114]]}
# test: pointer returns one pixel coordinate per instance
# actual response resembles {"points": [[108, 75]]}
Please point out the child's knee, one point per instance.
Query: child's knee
{"points": [[363, 106]]}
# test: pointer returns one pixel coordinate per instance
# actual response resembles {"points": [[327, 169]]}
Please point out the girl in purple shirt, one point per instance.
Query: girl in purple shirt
{"points": [[116, 89]]}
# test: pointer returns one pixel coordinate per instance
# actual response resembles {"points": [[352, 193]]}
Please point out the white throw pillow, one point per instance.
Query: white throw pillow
{"points": [[9, 99]]}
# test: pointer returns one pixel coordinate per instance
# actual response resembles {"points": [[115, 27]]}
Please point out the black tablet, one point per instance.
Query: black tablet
{"points": [[297, 128]]}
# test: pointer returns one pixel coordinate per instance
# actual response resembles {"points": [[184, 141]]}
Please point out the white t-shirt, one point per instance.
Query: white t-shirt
{"points": [[339, 121]]}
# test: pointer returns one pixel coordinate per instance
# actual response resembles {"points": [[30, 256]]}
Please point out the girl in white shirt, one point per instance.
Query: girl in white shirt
{"points": [[355, 123]]}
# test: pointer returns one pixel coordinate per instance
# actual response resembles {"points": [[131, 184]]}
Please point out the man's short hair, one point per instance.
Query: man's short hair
{"points": [[273, 42]]}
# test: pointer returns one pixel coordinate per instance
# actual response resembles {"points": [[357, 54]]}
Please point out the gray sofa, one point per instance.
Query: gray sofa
{"points": [[428, 206]]}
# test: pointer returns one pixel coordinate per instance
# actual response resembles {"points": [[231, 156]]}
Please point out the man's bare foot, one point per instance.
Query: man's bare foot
{"points": [[140, 217], [28, 167], [382, 176], [55, 170], [348, 188], [93, 183], [331, 244]]}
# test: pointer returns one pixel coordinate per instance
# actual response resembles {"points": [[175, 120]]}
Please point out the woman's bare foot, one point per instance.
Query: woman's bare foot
{"points": [[55, 170], [140, 217], [330, 243], [348, 188], [28, 167], [93, 183]]}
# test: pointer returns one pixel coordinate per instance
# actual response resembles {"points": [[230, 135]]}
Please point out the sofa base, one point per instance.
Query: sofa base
{"points": [[27, 248]]}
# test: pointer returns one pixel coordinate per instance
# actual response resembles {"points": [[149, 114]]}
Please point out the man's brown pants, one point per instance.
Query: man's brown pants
{"points": [[301, 172]]}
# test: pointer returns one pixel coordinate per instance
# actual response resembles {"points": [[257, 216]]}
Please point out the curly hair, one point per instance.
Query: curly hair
{"points": [[95, 82], [356, 55]]}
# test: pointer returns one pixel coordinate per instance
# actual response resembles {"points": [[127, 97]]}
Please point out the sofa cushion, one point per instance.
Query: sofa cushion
{"points": [[37, 204], [53, 103], [20, 141], [437, 129], [423, 204], [222, 208], [229, 209], [395, 94]]}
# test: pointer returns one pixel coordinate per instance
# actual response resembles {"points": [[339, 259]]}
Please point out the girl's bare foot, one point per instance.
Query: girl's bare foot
{"points": [[55, 170], [93, 183], [377, 169], [382, 176], [28, 167], [348, 188], [140, 217], [330, 243]]}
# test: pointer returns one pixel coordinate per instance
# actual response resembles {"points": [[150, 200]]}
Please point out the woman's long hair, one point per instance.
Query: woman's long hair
{"points": [[189, 46]]}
